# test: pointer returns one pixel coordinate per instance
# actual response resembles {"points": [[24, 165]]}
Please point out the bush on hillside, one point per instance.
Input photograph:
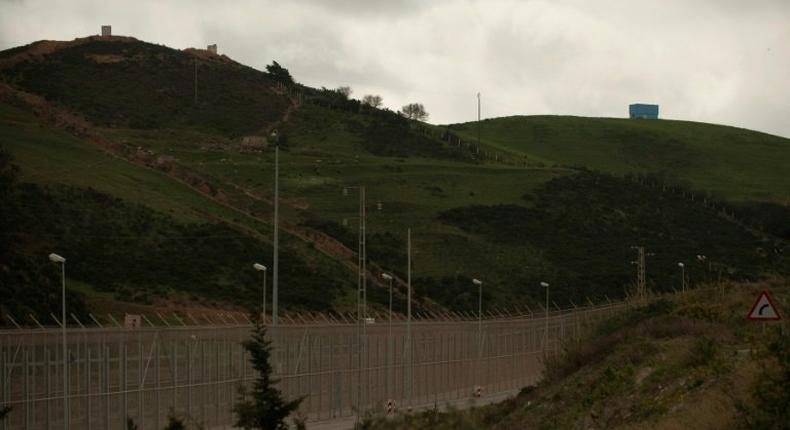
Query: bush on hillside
{"points": [[772, 391], [135, 251], [586, 224]]}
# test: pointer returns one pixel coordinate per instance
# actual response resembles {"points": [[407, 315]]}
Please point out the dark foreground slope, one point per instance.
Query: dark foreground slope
{"points": [[688, 361]]}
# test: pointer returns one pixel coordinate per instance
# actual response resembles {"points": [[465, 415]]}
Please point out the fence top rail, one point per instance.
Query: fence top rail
{"points": [[313, 323]]}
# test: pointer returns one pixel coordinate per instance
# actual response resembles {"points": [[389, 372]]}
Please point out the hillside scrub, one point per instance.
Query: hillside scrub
{"points": [[137, 254], [586, 223], [666, 365], [30, 279], [152, 86]]}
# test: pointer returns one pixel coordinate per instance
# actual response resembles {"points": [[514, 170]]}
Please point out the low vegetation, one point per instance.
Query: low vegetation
{"points": [[135, 253], [263, 407], [586, 224], [569, 226], [684, 361], [143, 85]]}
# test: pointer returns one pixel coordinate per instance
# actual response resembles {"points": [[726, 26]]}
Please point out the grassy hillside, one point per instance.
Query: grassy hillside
{"points": [[71, 113], [735, 163], [687, 361], [586, 223], [139, 255]]}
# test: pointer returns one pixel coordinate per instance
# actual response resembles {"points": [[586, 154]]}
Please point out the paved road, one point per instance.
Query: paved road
{"points": [[347, 423]]}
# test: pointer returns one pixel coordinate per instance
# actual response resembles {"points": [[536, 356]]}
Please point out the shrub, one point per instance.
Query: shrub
{"points": [[772, 392], [266, 409]]}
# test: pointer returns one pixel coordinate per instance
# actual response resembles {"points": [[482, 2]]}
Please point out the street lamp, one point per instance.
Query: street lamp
{"points": [[55, 258], [276, 241], [361, 288], [479, 284], [702, 259], [362, 299], [682, 276], [262, 268], [546, 331], [388, 277]]}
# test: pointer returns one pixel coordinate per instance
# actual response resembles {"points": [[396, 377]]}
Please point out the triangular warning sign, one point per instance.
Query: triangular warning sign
{"points": [[763, 309]]}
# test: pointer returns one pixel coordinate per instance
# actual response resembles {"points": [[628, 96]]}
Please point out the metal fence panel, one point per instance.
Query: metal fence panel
{"points": [[196, 371]]}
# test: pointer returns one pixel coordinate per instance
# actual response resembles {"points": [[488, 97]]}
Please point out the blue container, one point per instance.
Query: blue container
{"points": [[639, 110]]}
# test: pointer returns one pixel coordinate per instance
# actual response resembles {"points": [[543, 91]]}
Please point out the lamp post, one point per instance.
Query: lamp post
{"points": [[408, 314], [479, 284], [546, 330], [55, 258], [276, 239], [702, 259], [361, 290], [388, 277], [361, 254], [262, 268], [682, 276]]}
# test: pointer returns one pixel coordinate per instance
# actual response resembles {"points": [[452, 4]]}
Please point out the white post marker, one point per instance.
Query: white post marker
{"points": [[764, 309]]}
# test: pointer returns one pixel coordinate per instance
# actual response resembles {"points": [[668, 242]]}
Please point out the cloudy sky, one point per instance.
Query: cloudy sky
{"points": [[721, 61]]}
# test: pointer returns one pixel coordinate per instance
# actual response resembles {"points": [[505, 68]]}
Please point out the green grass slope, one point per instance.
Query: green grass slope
{"points": [[736, 163], [135, 232], [450, 197]]}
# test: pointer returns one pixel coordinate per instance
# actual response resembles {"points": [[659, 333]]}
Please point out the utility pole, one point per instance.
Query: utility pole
{"points": [[276, 238], [478, 122], [196, 81], [408, 312], [641, 281], [361, 293], [363, 252]]}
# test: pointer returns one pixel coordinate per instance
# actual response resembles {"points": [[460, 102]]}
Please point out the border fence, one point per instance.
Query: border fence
{"points": [[195, 372]]}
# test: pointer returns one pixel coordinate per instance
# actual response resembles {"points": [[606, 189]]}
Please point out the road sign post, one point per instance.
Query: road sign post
{"points": [[764, 309]]}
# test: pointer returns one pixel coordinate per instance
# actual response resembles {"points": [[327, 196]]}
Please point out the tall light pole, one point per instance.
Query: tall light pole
{"points": [[55, 258], [262, 268], [408, 311], [388, 277], [546, 331], [361, 289], [478, 122], [361, 253], [479, 284], [276, 261], [702, 259], [682, 276]]}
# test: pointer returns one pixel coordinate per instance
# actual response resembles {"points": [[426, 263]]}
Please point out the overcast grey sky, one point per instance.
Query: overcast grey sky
{"points": [[720, 61]]}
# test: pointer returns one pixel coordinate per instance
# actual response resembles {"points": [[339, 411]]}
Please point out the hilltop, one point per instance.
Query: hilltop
{"points": [[115, 120], [733, 163]]}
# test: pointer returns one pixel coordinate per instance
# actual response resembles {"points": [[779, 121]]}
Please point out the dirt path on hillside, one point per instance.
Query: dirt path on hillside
{"points": [[210, 188]]}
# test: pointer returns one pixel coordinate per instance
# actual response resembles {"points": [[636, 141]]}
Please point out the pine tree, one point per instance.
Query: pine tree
{"points": [[174, 422], [266, 409]]}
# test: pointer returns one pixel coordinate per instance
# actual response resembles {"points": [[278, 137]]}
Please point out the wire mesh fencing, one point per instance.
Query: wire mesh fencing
{"points": [[341, 369]]}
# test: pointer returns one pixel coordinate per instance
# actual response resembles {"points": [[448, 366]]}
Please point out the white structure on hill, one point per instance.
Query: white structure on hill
{"points": [[212, 48]]}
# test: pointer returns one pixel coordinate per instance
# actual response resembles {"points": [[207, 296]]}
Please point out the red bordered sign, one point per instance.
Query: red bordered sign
{"points": [[764, 309]]}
